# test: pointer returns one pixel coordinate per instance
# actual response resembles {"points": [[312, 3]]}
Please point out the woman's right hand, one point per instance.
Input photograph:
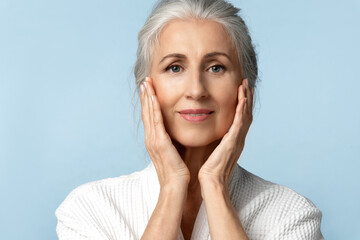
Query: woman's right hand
{"points": [[170, 168]]}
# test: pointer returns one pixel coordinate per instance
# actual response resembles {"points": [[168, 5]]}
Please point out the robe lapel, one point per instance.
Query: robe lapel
{"points": [[201, 227]]}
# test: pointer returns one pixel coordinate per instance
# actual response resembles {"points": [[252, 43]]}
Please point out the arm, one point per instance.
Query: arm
{"points": [[65, 232], [166, 218], [215, 174], [172, 172], [73, 217], [303, 223], [222, 217]]}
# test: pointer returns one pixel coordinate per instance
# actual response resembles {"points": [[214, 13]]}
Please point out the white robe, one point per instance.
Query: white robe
{"points": [[120, 208]]}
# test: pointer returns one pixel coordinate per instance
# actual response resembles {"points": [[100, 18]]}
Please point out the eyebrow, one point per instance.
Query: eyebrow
{"points": [[209, 55]]}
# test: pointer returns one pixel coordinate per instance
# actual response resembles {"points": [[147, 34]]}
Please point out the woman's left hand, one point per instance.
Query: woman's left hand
{"points": [[221, 162]]}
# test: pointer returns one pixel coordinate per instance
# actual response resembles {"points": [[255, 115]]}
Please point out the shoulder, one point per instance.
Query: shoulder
{"points": [[106, 184], [262, 191], [102, 208], [102, 194], [273, 210]]}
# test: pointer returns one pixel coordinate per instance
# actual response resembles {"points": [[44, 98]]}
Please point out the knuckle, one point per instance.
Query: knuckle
{"points": [[156, 121]]}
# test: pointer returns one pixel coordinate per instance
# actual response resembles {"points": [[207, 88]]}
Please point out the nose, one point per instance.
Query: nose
{"points": [[195, 87]]}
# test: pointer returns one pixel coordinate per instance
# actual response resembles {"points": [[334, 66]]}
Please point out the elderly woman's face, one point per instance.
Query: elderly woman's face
{"points": [[196, 74]]}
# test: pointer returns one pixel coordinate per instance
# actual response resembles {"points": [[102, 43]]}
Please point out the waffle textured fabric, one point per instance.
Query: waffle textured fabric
{"points": [[120, 208]]}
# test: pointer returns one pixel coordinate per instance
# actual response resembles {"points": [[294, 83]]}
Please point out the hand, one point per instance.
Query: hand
{"points": [[169, 166], [221, 162]]}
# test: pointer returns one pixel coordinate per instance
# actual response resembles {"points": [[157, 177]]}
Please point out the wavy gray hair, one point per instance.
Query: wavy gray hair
{"points": [[217, 10]]}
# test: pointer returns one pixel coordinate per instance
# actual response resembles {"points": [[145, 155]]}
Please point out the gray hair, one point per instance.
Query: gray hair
{"points": [[217, 10]]}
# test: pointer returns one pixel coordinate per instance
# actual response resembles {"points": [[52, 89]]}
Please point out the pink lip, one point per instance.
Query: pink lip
{"points": [[205, 114]]}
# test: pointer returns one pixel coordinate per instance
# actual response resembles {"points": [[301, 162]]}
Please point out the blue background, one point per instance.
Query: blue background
{"points": [[66, 114]]}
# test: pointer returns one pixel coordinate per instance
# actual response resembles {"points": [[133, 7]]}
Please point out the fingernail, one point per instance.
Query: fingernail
{"points": [[152, 98], [142, 87], [247, 82], [145, 84], [146, 79]]}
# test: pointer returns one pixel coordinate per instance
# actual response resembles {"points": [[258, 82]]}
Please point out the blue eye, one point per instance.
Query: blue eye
{"points": [[217, 68], [174, 68]]}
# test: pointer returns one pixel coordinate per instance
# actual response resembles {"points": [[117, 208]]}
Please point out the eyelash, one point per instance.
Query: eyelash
{"points": [[176, 65]]}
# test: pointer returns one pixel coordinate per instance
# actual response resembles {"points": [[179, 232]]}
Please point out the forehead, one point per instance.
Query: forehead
{"points": [[193, 37]]}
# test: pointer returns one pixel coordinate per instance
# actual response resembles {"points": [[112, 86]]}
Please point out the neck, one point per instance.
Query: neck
{"points": [[194, 158]]}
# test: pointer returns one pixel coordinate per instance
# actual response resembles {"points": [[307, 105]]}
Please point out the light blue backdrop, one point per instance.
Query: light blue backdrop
{"points": [[65, 104]]}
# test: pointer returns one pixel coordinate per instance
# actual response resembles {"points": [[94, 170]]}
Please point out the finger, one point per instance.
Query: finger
{"points": [[144, 108], [159, 126], [150, 93], [151, 89], [249, 96], [240, 108], [247, 108], [241, 91], [158, 119], [235, 128], [149, 106]]}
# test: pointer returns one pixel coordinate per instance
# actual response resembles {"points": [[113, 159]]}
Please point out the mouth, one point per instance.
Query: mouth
{"points": [[196, 115]]}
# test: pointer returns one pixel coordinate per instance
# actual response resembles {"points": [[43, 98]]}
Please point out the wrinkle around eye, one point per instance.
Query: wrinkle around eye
{"points": [[222, 68], [169, 67]]}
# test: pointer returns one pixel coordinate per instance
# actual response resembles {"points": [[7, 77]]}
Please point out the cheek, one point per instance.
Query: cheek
{"points": [[167, 98], [227, 107], [226, 97], [231, 106]]}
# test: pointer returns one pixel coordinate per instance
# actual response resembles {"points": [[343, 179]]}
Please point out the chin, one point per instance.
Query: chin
{"points": [[196, 139]]}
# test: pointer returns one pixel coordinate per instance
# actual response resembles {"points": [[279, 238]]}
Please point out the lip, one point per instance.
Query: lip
{"points": [[187, 114]]}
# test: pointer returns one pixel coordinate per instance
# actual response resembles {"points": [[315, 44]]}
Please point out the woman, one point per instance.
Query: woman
{"points": [[196, 71]]}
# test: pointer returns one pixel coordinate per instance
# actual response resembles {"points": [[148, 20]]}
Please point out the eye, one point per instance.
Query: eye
{"points": [[217, 68], [174, 68]]}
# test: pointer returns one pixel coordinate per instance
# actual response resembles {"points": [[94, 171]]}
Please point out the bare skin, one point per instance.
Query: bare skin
{"points": [[194, 160]]}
